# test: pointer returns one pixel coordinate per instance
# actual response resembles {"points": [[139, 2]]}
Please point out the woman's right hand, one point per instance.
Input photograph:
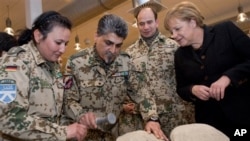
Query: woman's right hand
{"points": [[201, 92]]}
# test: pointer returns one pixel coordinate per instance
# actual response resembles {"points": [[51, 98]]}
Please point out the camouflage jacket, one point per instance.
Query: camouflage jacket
{"points": [[155, 69], [31, 96], [101, 88]]}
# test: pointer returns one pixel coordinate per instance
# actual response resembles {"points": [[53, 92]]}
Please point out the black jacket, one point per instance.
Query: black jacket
{"points": [[225, 51]]}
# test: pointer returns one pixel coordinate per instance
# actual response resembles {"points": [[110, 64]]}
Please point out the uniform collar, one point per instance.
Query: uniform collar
{"points": [[36, 54], [52, 67], [160, 38]]}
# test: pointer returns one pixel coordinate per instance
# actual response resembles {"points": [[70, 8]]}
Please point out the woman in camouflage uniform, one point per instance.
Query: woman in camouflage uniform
{"points": [[31, 85]]}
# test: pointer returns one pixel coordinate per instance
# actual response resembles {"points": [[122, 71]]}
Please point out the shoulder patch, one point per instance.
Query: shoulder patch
{"points": [[68, 81], [15, 50], [8, 90]]}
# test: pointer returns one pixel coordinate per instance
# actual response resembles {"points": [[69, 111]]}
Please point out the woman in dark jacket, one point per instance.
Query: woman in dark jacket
{"points": [[212, 68]]}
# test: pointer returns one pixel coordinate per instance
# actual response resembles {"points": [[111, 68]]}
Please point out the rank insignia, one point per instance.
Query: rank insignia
{"points": [[122, 73]]}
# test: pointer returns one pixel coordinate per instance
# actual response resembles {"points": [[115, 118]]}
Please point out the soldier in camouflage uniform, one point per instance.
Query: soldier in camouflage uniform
{"points": [[153, 57], [31, 85], [104, 79]]}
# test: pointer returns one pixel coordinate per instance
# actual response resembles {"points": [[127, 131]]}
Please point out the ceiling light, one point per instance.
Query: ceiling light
{"points": [[8, 28], [77, 44], [87, 41], [242, 17]]}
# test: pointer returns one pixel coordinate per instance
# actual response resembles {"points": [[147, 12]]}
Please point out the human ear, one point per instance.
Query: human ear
{"points": [[38, 36]]}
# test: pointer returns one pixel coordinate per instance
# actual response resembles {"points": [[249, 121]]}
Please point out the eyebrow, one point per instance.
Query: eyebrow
{"points": [[147, 21], [106, 40]]}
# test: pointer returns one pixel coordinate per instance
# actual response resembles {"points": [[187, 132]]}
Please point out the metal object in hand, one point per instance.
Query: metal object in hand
{"points": [[110, 118]]}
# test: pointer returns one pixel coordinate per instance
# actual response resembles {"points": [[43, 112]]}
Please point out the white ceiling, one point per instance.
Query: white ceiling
{"points": [[85, 14]]}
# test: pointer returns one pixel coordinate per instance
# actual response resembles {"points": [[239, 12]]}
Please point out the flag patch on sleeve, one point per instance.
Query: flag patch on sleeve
{"points": [[11, 68]]}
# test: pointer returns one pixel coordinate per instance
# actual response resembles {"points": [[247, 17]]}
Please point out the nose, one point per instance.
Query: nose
{"points": [[146, 26], [62, 48], [112, 49], [173, 35]]}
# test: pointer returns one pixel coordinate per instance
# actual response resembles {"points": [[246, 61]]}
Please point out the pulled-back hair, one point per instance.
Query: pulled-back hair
{"points": [[44, 23], [111, 23]]}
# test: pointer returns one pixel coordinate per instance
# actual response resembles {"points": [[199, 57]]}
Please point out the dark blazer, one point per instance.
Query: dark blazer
{"points": [[225, 51]]}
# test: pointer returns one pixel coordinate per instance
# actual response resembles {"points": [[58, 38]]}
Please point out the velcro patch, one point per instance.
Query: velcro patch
{"points": [[8, 90], [11, 68], [68, 81], [122, 73]]}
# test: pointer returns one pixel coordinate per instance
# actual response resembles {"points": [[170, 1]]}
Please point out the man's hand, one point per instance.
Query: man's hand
{"points": [[129, 108], [155, 128], [89, 120], [76, 131]]}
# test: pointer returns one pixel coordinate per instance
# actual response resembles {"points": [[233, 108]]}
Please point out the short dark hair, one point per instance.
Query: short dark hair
{"points": [[136, 13], [111, 23]]}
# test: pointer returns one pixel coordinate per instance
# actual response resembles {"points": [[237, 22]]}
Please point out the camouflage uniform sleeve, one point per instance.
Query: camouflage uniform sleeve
{"points": [[141, 95], [72, 107], [15, 120]]}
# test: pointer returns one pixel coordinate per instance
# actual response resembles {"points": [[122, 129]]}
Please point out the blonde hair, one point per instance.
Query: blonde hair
{"points": [[185, 11]]}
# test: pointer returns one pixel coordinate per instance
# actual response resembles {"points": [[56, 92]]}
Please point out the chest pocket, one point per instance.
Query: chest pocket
{"points": [[157, 61], [120, 79], [42, 98], [91, 92], [161, 60], [39, 84], [117, 87], [140, 64]]}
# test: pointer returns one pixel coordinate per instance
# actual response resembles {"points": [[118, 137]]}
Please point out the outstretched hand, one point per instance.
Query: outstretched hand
{"points": [[155, 128]]}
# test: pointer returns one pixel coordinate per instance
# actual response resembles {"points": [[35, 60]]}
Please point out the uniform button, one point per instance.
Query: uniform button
{"points": [[202, 67], [203, 57], [240, 82], [206, 78]]}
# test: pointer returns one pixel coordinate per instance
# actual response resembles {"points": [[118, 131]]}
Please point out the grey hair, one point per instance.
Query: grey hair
{"points": [[111, 23]]}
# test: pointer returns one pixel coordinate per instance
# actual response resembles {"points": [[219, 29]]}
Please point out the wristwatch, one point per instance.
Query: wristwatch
{"points": [[154, 119]]}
